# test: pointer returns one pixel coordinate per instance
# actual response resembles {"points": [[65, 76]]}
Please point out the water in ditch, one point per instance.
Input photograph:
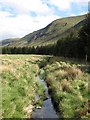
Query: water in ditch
{"points": [[47, 110]]}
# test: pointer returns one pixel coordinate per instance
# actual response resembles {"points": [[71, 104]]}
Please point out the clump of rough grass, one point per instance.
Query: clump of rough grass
{"points": [[60, 74], [66, 85], [49, 79], [74, 72]]}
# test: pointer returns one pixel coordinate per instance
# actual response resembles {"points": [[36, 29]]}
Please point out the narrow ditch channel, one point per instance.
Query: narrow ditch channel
{"points": [[47, 110]]}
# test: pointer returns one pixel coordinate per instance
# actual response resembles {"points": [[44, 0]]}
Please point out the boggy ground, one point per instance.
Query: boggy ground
{"points": [[66, 79], [19, 85], [68, 82]]}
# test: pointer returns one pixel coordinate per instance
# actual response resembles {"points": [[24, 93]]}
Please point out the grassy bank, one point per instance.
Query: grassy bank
{"points": [[67, 81], [68, 86], [19, 85]]}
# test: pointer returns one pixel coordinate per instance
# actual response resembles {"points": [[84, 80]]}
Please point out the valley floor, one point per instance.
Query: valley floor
{"points": [[67, 81]]}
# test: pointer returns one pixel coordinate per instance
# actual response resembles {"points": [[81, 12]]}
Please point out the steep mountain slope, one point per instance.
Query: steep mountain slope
{"points": [[51, 33]]}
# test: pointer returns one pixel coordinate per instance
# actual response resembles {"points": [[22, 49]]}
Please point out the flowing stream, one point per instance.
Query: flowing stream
{"points": [[47, 110]]}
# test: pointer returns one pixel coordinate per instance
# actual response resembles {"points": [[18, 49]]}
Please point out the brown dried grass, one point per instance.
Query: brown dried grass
{"points": [[74, 72], [66, 85]]}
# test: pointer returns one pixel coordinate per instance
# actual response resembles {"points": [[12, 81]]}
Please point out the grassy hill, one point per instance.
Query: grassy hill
{"points": [[51, 33], [8, 42]]}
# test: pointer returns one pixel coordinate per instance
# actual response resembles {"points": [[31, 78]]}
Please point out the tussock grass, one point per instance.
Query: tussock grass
{"points": [[74, 72], [19, 85], [68, 86], [67, 81]]}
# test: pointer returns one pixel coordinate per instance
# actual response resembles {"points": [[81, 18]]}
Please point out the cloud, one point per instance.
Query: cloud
{"points": [[4, 14], [80, 1], [26, 6], [22, 24], [64, 5], [61, 4]]}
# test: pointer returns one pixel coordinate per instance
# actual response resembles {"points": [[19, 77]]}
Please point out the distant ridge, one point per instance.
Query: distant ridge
{"points": [[50, 34], [9, 41]]}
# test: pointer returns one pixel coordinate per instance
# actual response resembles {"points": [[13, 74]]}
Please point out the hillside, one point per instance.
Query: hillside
{"points": [[51, 33], [8, 42]]}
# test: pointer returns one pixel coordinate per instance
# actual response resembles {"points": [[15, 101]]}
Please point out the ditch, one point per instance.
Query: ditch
{"points": [[47, 110]]}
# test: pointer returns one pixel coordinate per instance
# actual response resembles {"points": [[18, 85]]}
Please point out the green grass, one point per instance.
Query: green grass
{"points": [[19, 85], [67, 82], [68, 86]]}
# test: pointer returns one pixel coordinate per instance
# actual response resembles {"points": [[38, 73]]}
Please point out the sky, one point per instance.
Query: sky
{"points": [[21, 17]]}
